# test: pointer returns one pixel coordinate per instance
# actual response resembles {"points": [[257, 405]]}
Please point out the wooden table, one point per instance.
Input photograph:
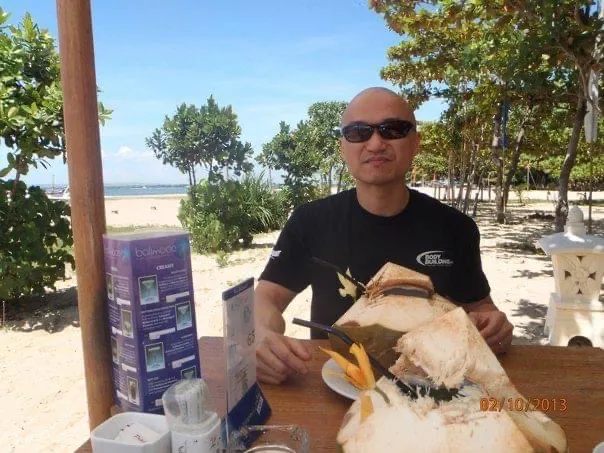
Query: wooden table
{"points": [[576, 374]]}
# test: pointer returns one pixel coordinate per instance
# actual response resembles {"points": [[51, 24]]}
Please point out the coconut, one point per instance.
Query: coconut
{"points": [[450, 350], [423, 426], [421, 336], [396, 300]]}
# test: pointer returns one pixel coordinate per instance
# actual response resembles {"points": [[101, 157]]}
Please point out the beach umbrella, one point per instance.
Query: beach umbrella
{"points": [[85, 172]]}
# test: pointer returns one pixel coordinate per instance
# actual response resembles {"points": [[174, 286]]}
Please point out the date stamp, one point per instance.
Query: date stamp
{"points": [[524, 404]]}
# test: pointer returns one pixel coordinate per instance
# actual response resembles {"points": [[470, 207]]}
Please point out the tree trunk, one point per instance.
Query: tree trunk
{"points": [[515, 156], [194, 175], [211, 171], [462, 174], [340, 176], [470, 178], [480, 189], [498, 159], [567, 166], [591, 189], [449, 192]]}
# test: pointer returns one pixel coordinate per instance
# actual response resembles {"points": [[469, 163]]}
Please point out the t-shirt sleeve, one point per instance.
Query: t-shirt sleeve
{"points": [[469, 283], [288, 264]]}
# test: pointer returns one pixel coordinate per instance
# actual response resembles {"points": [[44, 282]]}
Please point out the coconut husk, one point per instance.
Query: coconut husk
{"points": [[418, 334], [422, 426], [396, 300], [450, 350]]}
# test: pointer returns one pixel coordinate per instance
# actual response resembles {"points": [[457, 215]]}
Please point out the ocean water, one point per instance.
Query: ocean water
{"points": [[134, 190], [146, 190]]}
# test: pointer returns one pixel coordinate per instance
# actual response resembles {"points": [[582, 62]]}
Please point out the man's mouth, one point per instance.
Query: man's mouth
{"points": [[377, 159]]}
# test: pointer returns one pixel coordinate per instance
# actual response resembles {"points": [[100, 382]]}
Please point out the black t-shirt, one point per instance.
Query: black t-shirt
{"points": [[427, 236]]}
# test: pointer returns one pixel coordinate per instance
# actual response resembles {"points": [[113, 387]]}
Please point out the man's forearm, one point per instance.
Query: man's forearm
{"points": [[270, 301], [485, 304], [269, 317]]}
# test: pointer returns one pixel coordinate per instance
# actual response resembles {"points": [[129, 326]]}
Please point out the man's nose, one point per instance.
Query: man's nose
{"points": [[375, 142]]}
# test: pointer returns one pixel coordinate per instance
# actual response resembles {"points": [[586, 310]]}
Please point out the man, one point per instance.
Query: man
{"points": [[360, 230]]}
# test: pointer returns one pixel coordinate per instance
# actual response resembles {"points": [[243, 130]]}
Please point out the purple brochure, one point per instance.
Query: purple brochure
{"points": [[151, 316]]}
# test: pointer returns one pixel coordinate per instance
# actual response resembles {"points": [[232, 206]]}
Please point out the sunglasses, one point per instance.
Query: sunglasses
{"points": [[360, 131]]}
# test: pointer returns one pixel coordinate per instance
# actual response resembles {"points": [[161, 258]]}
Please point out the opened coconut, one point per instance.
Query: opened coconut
{"points": [[396, 300], [448, 350], [423, 426]]}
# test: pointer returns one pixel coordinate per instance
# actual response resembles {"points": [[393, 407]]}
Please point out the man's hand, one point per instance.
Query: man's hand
{"points": [[279, 357], [495, 329]]}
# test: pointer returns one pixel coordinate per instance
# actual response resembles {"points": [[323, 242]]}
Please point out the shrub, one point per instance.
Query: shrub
{"points": [[224, 215], [35, 240], [295, 195]]}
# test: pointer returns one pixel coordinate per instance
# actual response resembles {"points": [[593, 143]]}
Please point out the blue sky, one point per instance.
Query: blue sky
{"points": [[269, 59]]}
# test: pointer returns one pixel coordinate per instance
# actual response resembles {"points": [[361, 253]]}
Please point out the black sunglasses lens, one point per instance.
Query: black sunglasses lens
{"points": [[358, 132], [393, 130], [388, 130]]}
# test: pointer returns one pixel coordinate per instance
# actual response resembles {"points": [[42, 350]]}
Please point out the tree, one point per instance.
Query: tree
{"points": [[573, 30], [206, 136], [31, 100], [431, 161], [309, 154], [284, 152], [320, 141], [464, 53], [36, 237], [518, 53]]}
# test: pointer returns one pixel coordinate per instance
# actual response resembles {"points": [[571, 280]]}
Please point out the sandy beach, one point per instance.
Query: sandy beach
{"points": [[42, 391]]}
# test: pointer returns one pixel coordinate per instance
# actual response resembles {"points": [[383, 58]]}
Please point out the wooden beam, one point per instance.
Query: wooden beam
{"points": [[78, 80]]}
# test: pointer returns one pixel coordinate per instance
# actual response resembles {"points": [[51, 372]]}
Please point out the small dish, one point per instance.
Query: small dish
{"points": [[333, 376], [103, 436], [338, 384]]}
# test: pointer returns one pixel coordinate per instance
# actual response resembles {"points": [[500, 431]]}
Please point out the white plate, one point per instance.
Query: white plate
{"points": [[338, 384]]}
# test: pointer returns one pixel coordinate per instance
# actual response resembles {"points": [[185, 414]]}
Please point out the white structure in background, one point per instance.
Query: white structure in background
{"points": [[574, 309]]}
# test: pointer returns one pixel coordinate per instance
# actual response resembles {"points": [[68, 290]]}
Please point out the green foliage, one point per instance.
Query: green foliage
{"points": [[224, 215], [35, 232], [436, 142], [31, 100], [309, 154], [284, 152], [206, 136], [480, 55], [319, 140], [35, 240]]}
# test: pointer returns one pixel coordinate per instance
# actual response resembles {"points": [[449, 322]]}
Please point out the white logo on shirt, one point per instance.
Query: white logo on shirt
{"points": [[433, 258], [275, 254]]}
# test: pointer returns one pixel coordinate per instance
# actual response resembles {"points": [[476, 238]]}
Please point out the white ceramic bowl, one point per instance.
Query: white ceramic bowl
{"points": [[599, 448], [103, 436]]}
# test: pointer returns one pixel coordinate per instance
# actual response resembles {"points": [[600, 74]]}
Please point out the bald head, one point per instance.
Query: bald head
{"points": [[372, 100]]}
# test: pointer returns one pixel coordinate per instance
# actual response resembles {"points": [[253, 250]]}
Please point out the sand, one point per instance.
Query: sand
{"points": [[42, 388]]}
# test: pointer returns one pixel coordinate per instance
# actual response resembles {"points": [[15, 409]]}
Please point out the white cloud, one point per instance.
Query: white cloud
{"points": [[124, 151], [127, 153]]}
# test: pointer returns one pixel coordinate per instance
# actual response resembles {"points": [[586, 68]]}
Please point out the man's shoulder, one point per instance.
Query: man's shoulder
{"points": [[440, 211]]}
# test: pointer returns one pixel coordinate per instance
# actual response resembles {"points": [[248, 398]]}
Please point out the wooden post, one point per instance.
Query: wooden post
{"points": [[87, 200]]}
